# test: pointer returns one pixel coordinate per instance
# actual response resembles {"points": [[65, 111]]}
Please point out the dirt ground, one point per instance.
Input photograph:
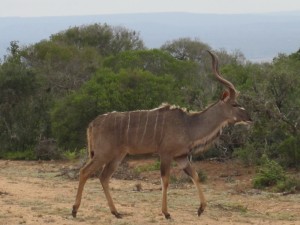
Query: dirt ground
{"points": [[42, 193]]}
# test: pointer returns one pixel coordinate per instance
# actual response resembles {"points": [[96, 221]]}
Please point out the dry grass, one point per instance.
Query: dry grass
{"points": [[33, 193]]}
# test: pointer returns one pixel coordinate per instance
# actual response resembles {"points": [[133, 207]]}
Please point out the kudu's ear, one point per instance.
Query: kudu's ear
{"points": [[225, 96]]}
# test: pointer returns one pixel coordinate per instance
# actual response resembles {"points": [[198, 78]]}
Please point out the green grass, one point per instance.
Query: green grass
{"points": [[18, 155], [73, 155], [148, 167]]}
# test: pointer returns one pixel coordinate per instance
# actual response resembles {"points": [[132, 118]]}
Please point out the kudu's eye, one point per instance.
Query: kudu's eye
{"points": [[236, 105]]}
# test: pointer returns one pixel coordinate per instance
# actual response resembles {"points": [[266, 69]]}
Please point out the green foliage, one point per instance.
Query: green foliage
{"points": [[290, 185], [74, 155], [18, 155], [248, 154], [289, 151], [70, 155], [270, 94], [192, 82], [269, 174], [64, 68], [186, 49], [21, 107], [106, 39], [272, 175], [155, 61]]}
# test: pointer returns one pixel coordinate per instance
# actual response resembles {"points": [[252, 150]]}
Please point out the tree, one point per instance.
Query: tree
{"points": [[70, 57], [106, 39], [65, 68], [21, 111], [186, 49], [271, 95], [155, 61]]}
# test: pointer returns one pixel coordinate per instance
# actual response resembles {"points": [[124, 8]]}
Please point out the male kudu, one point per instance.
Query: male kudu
{"points": [[170, 132]]}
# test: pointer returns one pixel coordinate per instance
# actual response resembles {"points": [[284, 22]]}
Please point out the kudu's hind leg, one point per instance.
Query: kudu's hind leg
{"points": [[185, 164], [165, 174], [85, 172], [106, 174]]}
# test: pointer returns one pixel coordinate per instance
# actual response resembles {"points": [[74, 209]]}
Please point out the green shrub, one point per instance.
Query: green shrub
{"points": [[247, 153], [269, 174], [288, 185], [19, 155], [69, 155], [289, 151]]}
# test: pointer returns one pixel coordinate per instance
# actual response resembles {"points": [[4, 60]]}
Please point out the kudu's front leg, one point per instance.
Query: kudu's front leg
{"points": [[165, 174]]}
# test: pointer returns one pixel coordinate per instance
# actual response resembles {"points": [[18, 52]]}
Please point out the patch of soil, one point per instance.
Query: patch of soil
{"points": [[39, 193]]}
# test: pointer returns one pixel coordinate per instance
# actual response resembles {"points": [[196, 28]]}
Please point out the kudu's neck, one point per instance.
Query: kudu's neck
{"points": [[205, 127]]}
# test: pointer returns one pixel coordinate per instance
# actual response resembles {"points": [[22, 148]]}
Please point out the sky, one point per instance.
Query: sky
{"points": [[39, 8]]}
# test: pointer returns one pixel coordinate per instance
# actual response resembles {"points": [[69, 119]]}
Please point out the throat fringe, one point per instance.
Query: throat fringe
{"points": [[203, 144]]}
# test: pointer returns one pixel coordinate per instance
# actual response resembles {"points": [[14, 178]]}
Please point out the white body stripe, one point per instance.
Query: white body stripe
{"points": [[128, 127], [145, 128]]}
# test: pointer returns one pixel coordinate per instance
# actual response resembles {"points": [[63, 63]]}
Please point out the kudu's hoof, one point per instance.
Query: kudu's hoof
{"points": [[167, 216], [200, 210], [117, 215], [74, 212]]}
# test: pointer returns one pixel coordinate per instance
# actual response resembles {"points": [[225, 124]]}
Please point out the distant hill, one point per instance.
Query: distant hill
{"points": [[259, 36]]}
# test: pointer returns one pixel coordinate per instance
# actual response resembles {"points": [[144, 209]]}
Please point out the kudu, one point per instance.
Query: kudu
{"points": [[171, 132]]}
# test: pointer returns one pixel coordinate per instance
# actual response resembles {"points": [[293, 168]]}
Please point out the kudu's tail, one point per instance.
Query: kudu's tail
{"points": [[90, 141]]}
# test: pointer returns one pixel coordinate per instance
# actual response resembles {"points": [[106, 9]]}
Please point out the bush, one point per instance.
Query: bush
{"points": [[248, 154], [272, 175], [291, 185], [269, 174], [289, 151]]}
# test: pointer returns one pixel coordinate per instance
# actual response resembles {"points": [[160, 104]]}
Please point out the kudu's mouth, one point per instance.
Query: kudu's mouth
{"points": [[247, 123]]}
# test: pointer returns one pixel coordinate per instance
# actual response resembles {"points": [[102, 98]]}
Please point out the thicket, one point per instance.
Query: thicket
{"points": [[51, 90], [271, 175]]}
